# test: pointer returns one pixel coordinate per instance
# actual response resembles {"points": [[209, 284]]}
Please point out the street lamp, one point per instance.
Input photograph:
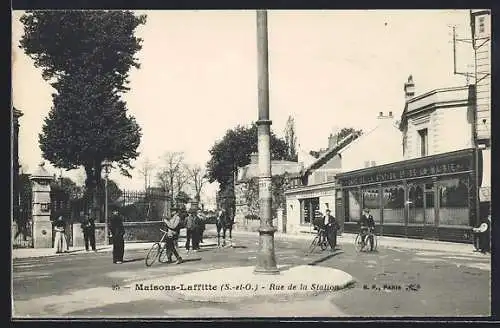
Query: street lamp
{"points": [[266, 259], [107, 168]]}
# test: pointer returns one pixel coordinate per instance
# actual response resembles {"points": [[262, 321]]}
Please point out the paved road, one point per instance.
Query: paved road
{"points": [[80, 285]]}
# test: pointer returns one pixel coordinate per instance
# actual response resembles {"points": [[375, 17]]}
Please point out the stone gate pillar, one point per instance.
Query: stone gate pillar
{"points": [[42, 226]]}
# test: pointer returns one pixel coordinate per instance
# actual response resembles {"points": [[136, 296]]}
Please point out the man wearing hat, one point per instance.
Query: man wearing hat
{"points": [[331, 227], [117, 232], [173, 226], [88, 228], [191, 230]]}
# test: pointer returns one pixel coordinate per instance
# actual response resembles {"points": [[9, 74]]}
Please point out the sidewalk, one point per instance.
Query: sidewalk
{"points": [[20, 253], [383, 241]]}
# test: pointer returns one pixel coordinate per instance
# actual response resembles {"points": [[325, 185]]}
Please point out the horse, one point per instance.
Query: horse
{"points": [[224, 223]]}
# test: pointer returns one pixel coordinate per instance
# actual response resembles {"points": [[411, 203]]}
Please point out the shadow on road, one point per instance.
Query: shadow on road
{"points": [[324, 258], [184, 260], [134, 260], [208, 245]]}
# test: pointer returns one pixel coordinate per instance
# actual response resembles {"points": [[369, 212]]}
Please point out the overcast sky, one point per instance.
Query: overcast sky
{"points": [[198, 75]]}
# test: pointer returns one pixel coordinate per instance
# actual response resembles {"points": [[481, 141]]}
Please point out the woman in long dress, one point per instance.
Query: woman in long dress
{"points": [[60, 243]]}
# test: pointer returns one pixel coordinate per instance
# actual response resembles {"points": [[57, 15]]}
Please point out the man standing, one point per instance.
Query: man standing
{"points": [[173, 226], [483, 235], [88, 227], [117, 232], [201, 221], [331, 229], [190, 231]]}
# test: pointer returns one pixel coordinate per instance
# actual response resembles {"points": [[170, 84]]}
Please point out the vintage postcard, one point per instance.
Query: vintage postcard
{"points": [[251, 163]]}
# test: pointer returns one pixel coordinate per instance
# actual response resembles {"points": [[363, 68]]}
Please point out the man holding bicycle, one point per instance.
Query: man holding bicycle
{"points": [[173, 226], [367, 227]]}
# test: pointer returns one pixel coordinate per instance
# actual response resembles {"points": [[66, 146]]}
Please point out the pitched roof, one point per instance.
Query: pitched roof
{"points": [[330, 153]]}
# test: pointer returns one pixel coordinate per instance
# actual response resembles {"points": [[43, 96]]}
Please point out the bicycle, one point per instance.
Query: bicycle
{"points": [[319, 240], [157, 251], [359, 245]]}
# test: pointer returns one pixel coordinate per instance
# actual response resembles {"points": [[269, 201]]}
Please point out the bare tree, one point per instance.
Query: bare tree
{"points": [[198, 178], [146, 169], [171, 173], [181, 178]]}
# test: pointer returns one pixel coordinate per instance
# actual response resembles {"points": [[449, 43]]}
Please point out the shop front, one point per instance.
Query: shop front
{"points": [[307, 203], [431, 197]]}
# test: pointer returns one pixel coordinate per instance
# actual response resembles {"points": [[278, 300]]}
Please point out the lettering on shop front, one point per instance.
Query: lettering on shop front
{"points": [[409, 173]]}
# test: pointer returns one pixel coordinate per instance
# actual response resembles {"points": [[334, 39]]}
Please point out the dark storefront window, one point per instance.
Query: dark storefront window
{"points": [[416, 204], [310, 209], [371, 202], [394, 204], [353, 205], [453, 199]]}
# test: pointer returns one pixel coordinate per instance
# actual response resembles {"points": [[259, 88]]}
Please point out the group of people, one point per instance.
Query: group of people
{"points": [[116, 229], [328, 226], [194, 222], [195, 226]]}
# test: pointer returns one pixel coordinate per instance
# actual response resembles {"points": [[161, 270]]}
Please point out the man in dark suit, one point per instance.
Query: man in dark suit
{"points": [[88, 227], [117, 232]]}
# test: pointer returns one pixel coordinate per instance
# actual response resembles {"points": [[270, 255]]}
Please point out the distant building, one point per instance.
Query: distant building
{"points": [[250, 173], [429, 194], [355, 151]]}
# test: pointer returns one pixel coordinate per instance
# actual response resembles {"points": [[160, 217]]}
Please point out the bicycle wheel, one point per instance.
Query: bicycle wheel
{"points": [[375, 242], [163, 257], [323, 243], [358, 243], [153, 254], [313, 245]]}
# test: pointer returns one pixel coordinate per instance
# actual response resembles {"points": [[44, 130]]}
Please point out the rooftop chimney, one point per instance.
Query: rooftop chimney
{"points": [[332, 141], [390, 114], [409, 88], [254, 158]]}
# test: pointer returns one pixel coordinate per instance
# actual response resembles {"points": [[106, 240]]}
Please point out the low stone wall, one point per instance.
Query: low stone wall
{"points": [[134, 232]]}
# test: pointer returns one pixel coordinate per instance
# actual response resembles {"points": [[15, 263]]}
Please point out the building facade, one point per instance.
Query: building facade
{"points": [[355, 151], [481, 42], [429, 194], [430, 197]]}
